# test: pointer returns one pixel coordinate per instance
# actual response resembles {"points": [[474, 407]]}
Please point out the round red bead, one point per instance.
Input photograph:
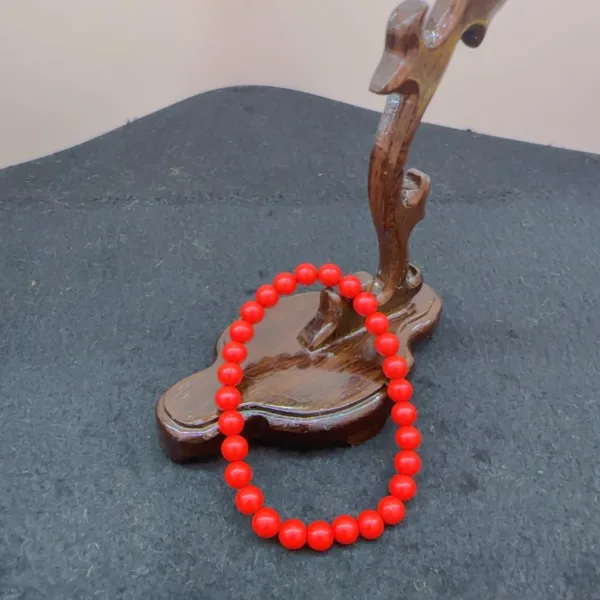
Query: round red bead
{"points": [[228, 398], [252, 312], [350, 286], [231, 422], [345, 529], [230, 374], [238, 474], [234, 352], [400, 390], [292, 534], [404, 413], [391, 510], [395, 367], [306, 274], [266, 522], [285, 283], [407, 462], [320, 536], [249, 499], [408, 438], [329, 275], [403, 487], [365, 304], [377, 323], [234, 448], [240, 331], [370, 524], [387, 344], [267, 296]]}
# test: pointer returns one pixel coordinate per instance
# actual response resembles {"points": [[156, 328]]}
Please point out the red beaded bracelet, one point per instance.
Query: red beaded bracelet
{"points": [[293, 534]]}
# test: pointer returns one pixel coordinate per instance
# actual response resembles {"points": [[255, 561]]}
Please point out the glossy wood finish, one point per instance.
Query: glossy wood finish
{"points": [[312, 377]]}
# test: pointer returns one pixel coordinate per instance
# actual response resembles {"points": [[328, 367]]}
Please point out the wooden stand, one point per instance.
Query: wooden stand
{"points": [[312, 376]]}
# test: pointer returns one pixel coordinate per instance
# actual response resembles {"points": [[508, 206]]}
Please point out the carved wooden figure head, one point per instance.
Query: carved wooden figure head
{"points": [[420, 41]]}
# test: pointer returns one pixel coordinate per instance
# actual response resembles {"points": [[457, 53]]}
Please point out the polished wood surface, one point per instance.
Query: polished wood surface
{"points": [[312, 377]]}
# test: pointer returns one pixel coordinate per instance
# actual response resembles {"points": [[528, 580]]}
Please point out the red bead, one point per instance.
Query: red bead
{"points": [[249, 499], [266, 522], [252, 312], [365, 304], [231, 422], [400, 390], [292, 534], [370, 524], [395, 367], [267, 296], [230, 373], [391, 510], [387, 344], [319, 536], [238, 474], [407, 462], [234, 448], [240, 331], [228, 398], [285, 283], [350, 286], [377, 323], [306, 274], [234, 352], [345, 529], [408, 438], [329, 275], [404, 413], [403, 487]]}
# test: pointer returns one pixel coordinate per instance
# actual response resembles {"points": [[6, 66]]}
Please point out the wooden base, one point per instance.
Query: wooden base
{"points": [[293, 396]]}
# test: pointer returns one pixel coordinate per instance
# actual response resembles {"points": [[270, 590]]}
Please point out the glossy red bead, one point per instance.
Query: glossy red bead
{"points": [[407, 462], [387, 344], [391, 510], [395, 367], [408, 438], [365, 304], [370, 524], [231, 422], [329, 275], [404, 413], [228, 398], [234, 352], [241, 331], [238, 474], [319, 536], [345, 530], [249, 499], [230, 374], [306, 274], [377, 323], [400, 390], [285, 284], [266, 522], [403, 487], [267, 296], [234, 448], [350, 286], [252, 312], [292, 534]]}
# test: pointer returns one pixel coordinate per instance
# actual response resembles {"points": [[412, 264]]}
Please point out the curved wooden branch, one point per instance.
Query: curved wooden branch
{"points": [[419, 45]]}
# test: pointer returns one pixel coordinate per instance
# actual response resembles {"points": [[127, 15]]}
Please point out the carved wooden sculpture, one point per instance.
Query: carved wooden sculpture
{"points": [[312, 376]]}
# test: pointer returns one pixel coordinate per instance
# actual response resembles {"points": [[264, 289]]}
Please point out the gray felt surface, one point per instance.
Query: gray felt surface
{"points": [[123, 258]]}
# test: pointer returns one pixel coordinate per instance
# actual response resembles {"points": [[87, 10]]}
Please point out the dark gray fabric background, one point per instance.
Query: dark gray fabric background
{"points": [[123, 258]]}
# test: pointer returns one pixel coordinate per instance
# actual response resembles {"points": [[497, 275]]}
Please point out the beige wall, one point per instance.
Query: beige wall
{"points": [[72, 70]]}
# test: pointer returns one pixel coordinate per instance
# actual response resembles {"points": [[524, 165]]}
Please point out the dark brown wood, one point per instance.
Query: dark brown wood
{"points": [[312, 376]]}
